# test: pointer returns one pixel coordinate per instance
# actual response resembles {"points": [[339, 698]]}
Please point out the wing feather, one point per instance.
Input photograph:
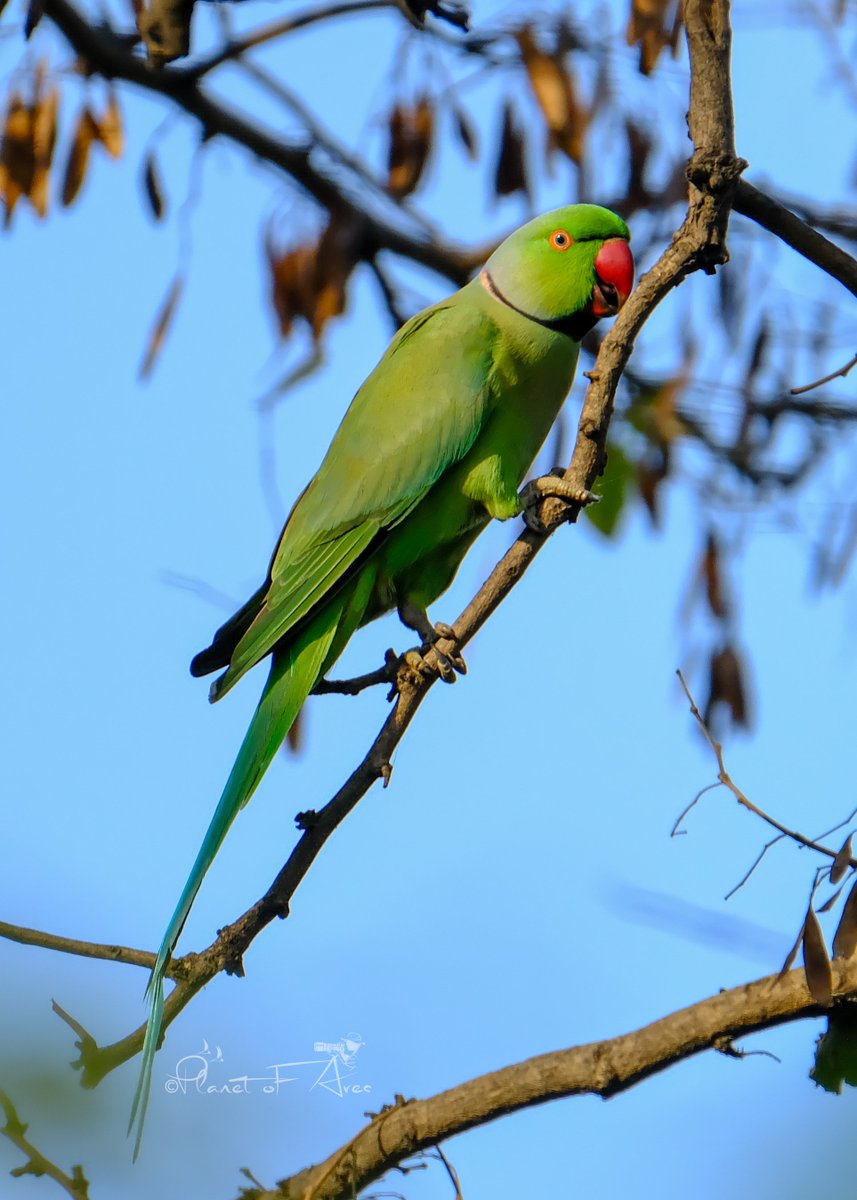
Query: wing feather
{"points": [[418, 413]]}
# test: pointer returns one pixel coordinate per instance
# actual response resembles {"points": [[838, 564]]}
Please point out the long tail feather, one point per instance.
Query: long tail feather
{"points": [[294, 672]]}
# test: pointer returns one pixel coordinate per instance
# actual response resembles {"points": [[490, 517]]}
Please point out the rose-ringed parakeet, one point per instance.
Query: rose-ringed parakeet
{"points": [[435, 443]]}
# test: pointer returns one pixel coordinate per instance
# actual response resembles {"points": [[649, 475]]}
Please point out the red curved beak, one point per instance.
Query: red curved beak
{"points": [[614, 274]]}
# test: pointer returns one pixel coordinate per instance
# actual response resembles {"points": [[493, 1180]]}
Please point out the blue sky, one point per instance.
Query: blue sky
{"points": [[487, 906]]}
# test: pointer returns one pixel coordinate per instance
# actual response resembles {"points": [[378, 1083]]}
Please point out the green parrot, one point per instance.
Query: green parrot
{"points": [[435, 443]]}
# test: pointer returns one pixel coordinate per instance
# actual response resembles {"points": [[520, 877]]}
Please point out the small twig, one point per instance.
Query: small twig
{"points": [[275, 29], [52, 941], [709, 787], [728, 1048], [840, 374], [15, 1130], [755, 864], [839, 825], [726, 780], [451, 1172], [352, 687], [390, 300]]}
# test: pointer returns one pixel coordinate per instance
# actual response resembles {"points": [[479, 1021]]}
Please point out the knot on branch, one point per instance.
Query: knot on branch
{"points": [[714, 174], [164, 28]]}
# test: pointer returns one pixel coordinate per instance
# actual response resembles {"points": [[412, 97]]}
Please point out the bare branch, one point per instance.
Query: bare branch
{"points": [[725, 778], [52, 941], [276, 29], [777, 219], [840, 374], [600, 1068]]}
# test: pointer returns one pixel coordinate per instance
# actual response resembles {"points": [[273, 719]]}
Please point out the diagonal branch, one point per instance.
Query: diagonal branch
{"points": [[777, 219], [390, 226], [276, 29], [15, 1130], [599, 1068], [698, 244]]}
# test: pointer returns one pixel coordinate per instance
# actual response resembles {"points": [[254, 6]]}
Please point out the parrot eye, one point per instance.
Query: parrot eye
{"points": [[560, 240]]}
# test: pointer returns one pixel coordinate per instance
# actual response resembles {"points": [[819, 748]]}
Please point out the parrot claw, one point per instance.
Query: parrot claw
{"points": [[533, 493], [448, 661], [412, 664]]}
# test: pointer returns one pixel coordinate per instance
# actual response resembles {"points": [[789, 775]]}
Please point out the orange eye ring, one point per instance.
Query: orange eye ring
{"points": [[560, 239]]}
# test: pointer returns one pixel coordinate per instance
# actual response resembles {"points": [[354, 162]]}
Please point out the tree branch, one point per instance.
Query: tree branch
{"points": [[15, 1130], [401, 231], [599, 1068], [777, 219], [52, 941], [275, 29]]}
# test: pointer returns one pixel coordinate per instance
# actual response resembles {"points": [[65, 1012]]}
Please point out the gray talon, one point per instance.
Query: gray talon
{"points": [[533, 493]]}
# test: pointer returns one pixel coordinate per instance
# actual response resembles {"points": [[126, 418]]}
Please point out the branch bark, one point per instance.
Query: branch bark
{"points": [[599, 1068]]}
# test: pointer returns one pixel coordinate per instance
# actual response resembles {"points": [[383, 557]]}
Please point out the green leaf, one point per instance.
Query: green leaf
{"points": [[836, 1052], [613, 489]]}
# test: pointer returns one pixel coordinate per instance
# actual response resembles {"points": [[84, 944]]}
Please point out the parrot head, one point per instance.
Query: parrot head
{"points": [[565, 269]]}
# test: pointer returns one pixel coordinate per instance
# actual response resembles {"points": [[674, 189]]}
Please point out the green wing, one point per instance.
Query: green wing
{"points": [[418, 413]]}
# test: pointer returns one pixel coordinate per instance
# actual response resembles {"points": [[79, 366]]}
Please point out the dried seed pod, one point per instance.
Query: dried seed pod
{"points": [[465, 132], [153, 191], [510, 174], [17, 154], [845, 938], [85, 133], [650, 27], [553, 88], [161, 327], [726, 684], [842, 861], [44, 140], [410, 141], [110, 127], [816, 963]]}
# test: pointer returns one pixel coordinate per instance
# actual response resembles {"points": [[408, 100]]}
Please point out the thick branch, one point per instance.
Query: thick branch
{"points": [[600, 1068]]}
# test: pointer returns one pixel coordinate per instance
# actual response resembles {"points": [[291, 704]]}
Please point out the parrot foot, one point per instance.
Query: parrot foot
{"points": [[449, 659], [533, 493]]}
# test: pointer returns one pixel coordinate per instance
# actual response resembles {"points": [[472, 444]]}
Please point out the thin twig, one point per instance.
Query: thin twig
{"points": [[352, 687], [676, 831], [451, 1172], [840, 374], [725, 778], [753, 866], [276, 29]]}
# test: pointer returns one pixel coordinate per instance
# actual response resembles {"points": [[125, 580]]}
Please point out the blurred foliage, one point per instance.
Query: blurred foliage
{"points": [[561, 95]]}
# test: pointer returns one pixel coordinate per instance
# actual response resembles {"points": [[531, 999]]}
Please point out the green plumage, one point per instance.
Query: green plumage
{"points": [[436, 443]]}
